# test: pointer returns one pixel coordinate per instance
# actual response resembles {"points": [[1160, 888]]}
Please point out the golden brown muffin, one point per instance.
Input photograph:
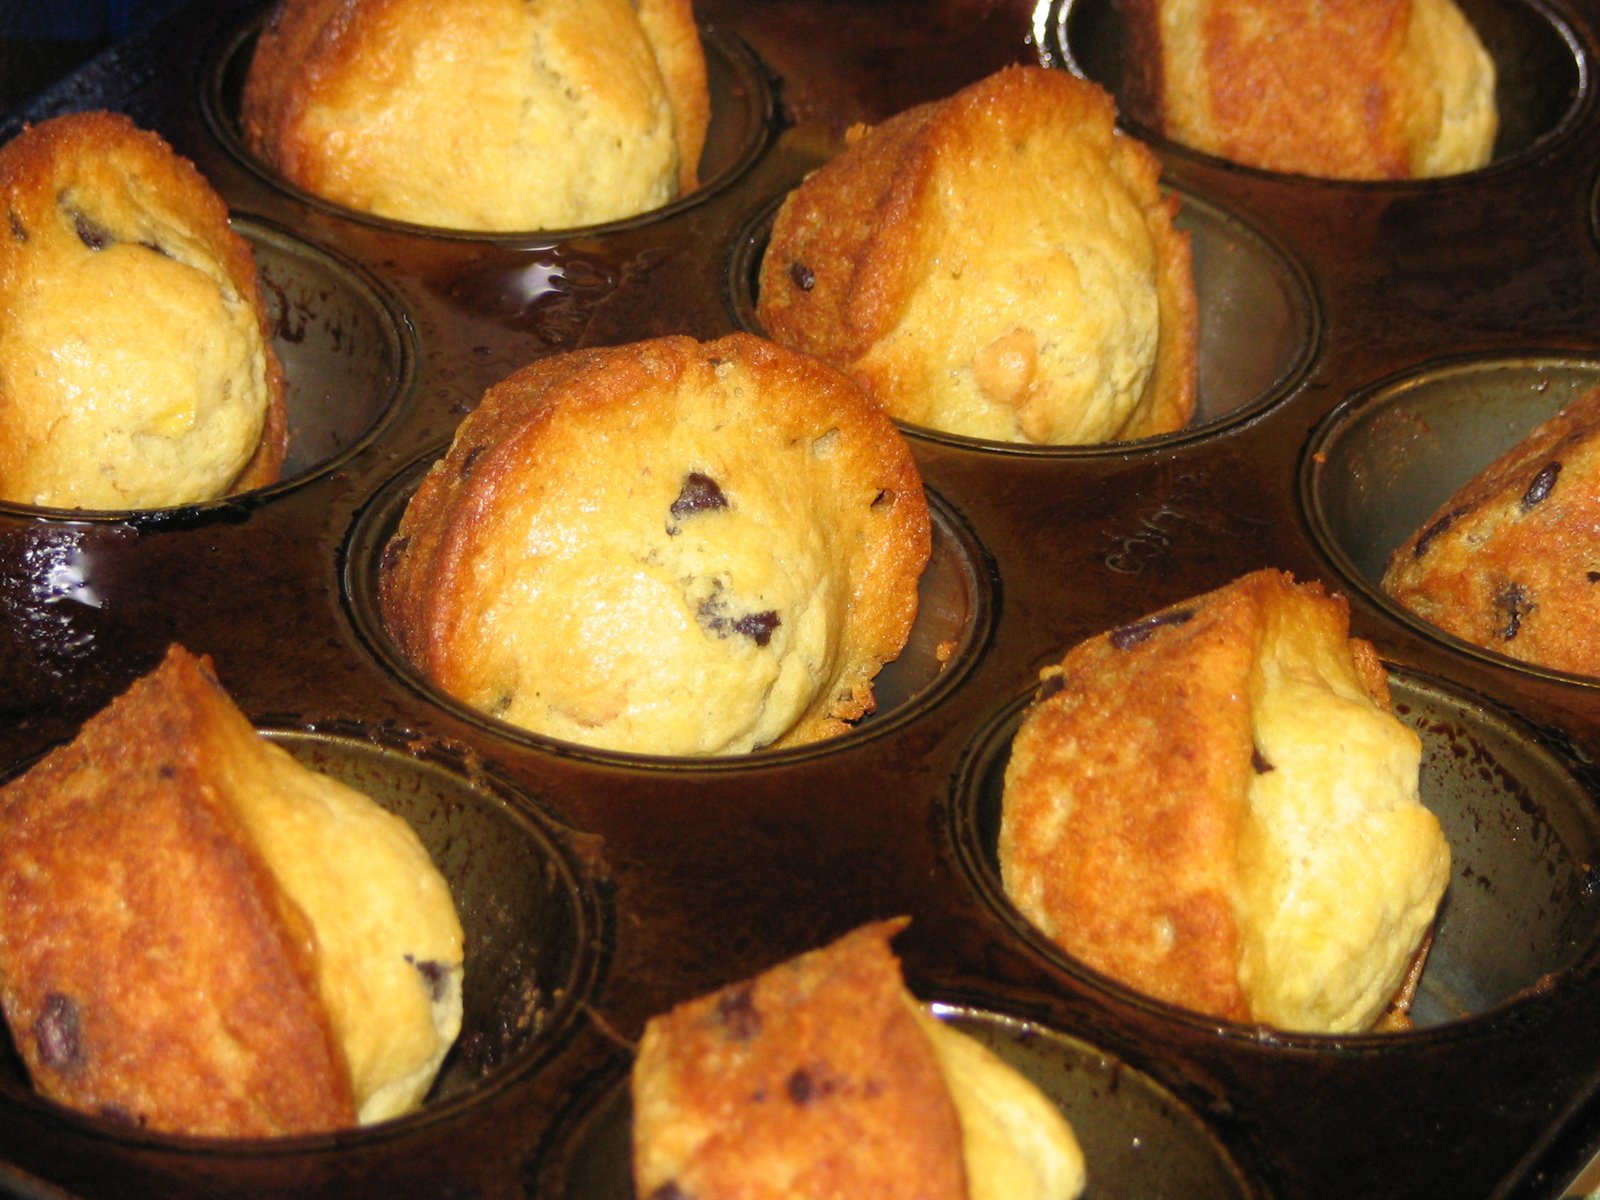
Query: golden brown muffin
{"points": [[1343, 89], [136, 364], [1511, 561], [1000, 264], [1215, 806], [482, 114], [199, 935], [823, 1078], [667, 547]]}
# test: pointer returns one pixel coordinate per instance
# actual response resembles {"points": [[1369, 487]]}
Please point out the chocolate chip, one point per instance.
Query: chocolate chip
{"points": [[1051, 685], [470, 460], [1593, 577], [1259, 761], [699, 493], [801, 1088], [1126, 636], [1543, 483], [57, 1033], [96, 237], [167, 771], [1513, 603], [758, 627], [433, 973], [1434, 530], [668, 1191], [802, 276], [19, 231], [736, 1009]]}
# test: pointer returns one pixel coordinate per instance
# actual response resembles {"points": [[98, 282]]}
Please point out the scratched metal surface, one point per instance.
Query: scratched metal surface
{"points": [[1363, 347]]}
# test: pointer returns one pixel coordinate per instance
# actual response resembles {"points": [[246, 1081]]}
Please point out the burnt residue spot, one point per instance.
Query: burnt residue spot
{"points": [[392, 553], [699, 493], [1543, 483], [1434, 530], [1511, 604], [802, 276], [1051, 685], [58, 1034], [19, 231], [433, 973], [91, 234], [736, 1010], [469, 460], [1126, 636], [757, 626], [668, 1191], [1259, 761]]}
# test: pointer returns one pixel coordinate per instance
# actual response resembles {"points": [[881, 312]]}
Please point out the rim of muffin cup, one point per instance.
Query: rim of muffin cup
{"points": [[1137, 1136], [1260, 327], [338, 333], [523, 899], [954, 624], [1378, 465], [1543, 81], [1499, 789], [743, 123]]}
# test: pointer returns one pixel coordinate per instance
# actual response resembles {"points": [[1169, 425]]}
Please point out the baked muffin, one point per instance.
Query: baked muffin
{"points": [[1215, 806], [999, 264], [136, 364], [1343, 89], [667, 547], [199, 935], [822, 1078], [1511, 561], [482, 114]]}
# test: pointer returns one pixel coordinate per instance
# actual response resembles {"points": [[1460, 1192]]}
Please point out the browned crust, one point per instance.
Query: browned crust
{"points": [[814, 1080], [1511, 561], [511, 451], [150, 968], [855, 230], [1313, 87], [1147, 728], [97, 149]]}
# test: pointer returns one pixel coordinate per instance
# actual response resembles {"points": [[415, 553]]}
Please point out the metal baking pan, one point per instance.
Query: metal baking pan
{"points": [[1364, 348]]}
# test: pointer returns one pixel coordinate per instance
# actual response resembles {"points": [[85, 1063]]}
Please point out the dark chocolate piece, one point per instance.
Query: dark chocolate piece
{"points": [[1543, 483], [803, 277], [1127, 636], [1513, 603], [58, 1034], [736, 1009]]}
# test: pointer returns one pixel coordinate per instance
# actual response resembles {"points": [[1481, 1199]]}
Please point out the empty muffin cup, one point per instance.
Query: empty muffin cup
{"points": [[954, 615], [1519, 910], [1137, 1138], [1259, 325]]}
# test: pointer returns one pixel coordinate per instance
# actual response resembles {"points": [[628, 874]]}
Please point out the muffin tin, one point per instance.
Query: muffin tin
{"points": [[1364, 347]]}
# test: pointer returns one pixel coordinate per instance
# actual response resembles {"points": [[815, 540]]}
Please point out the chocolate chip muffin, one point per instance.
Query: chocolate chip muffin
{"points": [[1214, 805], [199, 935], [482, 114], [667, 547], [823, 1077], [136, 362], [1343, 89], [1000, 264], [1511, 561]]}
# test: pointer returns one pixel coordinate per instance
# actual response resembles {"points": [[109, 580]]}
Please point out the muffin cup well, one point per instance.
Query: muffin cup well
{"points": [[1137, 1138], [348, 355], [532, 922], [742, 120], [1541, 70], [1520, 909], [1379, 465], [1259, 323], [955, 613]]}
